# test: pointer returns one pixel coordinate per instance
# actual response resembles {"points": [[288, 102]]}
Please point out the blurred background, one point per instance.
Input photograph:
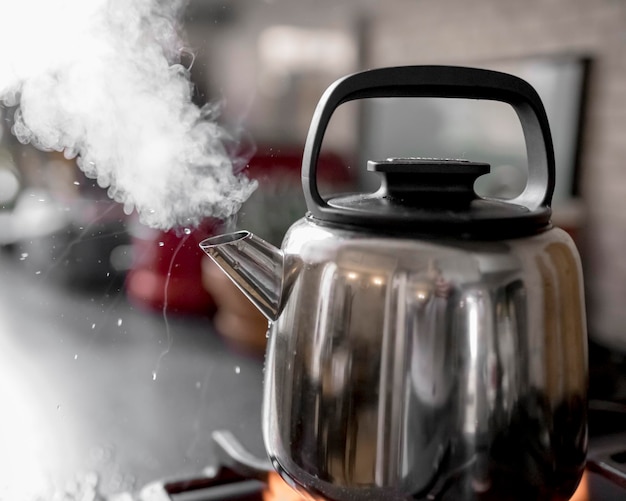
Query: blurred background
{"points": [[119, 352]]}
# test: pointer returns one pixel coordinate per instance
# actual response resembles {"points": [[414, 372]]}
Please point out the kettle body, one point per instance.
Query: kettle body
{"points": [[424, 342], [401, 367]]}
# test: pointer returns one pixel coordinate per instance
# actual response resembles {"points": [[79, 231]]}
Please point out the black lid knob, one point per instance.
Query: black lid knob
{"points": [[428, 182]]}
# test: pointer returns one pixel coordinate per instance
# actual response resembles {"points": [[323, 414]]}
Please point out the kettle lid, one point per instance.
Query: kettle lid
{"points": [[436, 196], [426, 195]]}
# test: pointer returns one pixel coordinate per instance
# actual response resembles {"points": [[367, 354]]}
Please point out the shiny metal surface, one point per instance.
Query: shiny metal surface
{"points": [[257, 267], [429, 369]]}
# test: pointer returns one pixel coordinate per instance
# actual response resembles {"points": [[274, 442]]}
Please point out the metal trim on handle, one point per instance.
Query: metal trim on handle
{"points": [[443, 82]]}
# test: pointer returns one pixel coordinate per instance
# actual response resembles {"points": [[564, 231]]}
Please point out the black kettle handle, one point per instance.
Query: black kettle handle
{"points": [[443, 82]]}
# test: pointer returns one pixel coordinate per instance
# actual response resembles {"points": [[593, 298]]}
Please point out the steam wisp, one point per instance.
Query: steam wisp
{"points": [[103, 80]]}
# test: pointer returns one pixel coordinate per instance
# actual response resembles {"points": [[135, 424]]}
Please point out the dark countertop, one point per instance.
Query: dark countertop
{"points": [[90, 384]]}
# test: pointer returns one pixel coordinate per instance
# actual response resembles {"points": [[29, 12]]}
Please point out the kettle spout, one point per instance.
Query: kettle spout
{"points": [[257, 268]]}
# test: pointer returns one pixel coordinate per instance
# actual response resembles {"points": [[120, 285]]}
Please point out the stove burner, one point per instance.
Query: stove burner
{"points": [[241, 476]]}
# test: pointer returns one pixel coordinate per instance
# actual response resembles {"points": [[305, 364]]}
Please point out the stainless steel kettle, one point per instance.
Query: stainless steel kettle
{"points": [[424, 342]]}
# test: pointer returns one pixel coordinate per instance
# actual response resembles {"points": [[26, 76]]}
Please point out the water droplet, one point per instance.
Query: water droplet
{"points": [[154, 375], [38, 272], [58, 406], [76, 183], [161, 244], [187, 231], [237, 369], [119, 322], [75, 356], [210, 471], [93, 326], [23, 256]]}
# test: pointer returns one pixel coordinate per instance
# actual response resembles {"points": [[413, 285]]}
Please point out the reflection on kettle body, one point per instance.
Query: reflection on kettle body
{"points": [[431, 376]]}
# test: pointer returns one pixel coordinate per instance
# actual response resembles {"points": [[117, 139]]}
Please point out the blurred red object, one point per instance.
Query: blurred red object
{"points": [[279, 201], [166, 271], [331, 166]]}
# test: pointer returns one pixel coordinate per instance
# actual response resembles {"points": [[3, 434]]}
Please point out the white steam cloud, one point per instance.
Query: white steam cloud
{"points": [[102, 79]]}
